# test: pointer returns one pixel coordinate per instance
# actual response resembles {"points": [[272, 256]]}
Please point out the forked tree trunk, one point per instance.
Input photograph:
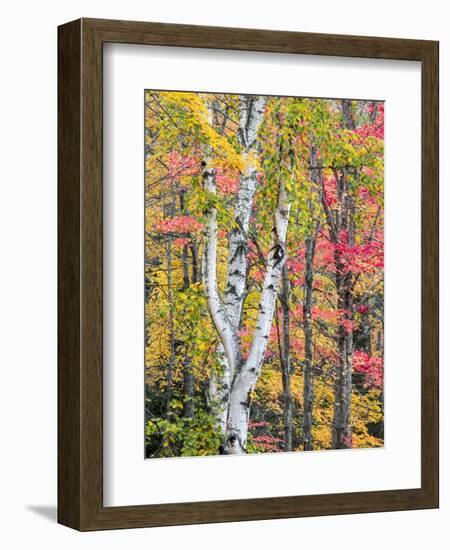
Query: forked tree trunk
{"points": [[246, 376], [245, 380], [251, 111], [233, 384]]}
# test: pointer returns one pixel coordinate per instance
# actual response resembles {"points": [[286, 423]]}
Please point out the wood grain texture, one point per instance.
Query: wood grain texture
{"points": [[69, 243], [80, 263], [430, 273]]}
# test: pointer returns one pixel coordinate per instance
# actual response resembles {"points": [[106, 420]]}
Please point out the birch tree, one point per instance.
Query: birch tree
{"points": [[251, 111], [260, 220], [233, 386]]}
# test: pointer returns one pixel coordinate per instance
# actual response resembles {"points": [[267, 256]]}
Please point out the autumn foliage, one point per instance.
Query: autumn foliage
{"points": [[321, 380]]}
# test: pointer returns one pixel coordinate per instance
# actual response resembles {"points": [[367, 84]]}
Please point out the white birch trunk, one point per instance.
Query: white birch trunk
{"points": [[238, 247], [231, 387], [220, 388], [219, 316], [251, 111]]}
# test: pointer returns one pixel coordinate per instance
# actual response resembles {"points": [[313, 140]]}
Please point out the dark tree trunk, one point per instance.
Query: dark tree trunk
{"points": [[188, 375], [171, 364], [347, 112], [345, 224], [342, 432], [308, 373], [188, 387], [286, 360], [365, 333], [195, 267], [186, 281]]}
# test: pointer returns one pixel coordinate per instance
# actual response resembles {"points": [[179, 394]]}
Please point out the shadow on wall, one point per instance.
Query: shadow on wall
{"points": [[47, 512]]}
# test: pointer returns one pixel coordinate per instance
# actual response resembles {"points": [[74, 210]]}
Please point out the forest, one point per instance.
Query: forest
{"points": [[264, 274]]}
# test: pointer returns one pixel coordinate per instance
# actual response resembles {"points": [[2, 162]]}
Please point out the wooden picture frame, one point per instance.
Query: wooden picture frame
{"points": [[80, 271]]}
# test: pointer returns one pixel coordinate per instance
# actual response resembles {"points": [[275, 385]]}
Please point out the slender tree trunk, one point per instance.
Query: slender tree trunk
{"points": [[195, 267], [188, 375], [341, 426], [365, 336], [349, 118], [171, 364], [188, 387], [186, 281], [342, 432], [286, 360], [308, 373]]}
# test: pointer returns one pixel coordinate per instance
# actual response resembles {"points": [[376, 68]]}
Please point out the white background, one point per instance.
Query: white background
{"points": [[128, 479], [28, 274]]}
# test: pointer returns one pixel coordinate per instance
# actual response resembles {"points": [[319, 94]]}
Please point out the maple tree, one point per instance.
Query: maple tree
{"points": [[263, 273]]}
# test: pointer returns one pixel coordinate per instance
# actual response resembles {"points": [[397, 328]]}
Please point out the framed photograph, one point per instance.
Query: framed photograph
{"points": [[248, 274]]}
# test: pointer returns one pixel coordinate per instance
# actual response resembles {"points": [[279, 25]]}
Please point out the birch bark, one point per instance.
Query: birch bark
{"points": [[251, 110], [231, 386], [227, 334], [245, 380]]}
